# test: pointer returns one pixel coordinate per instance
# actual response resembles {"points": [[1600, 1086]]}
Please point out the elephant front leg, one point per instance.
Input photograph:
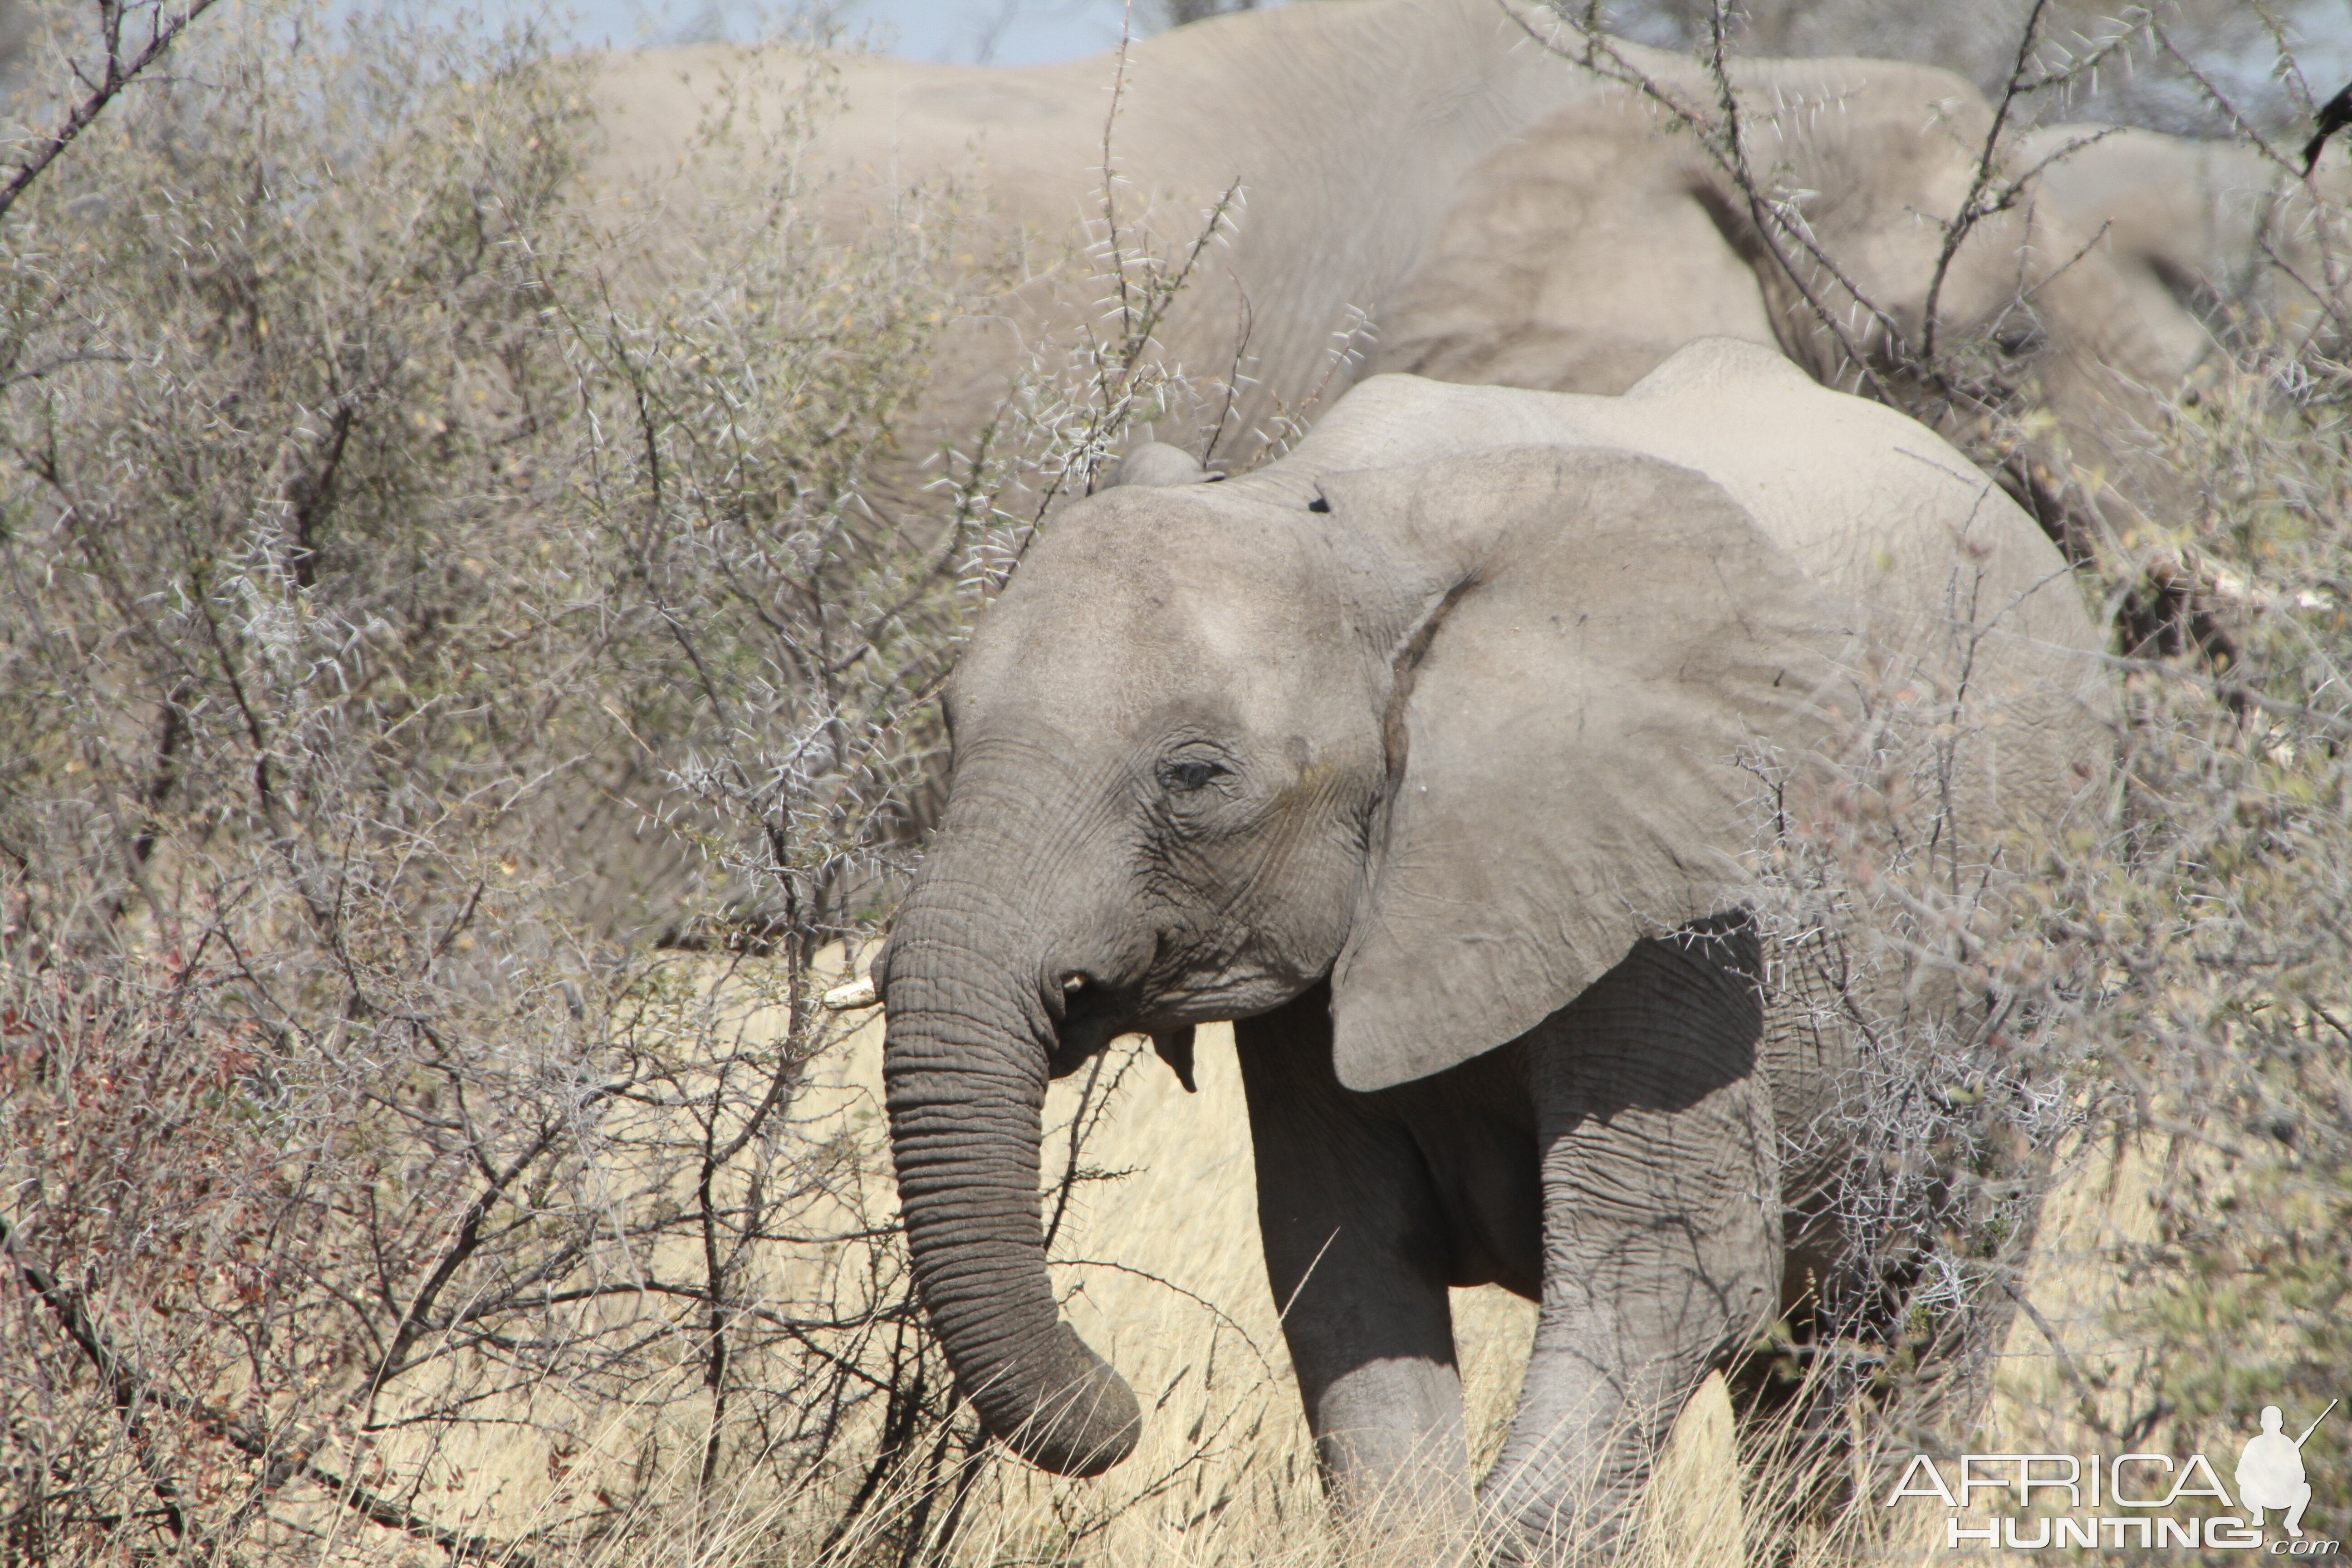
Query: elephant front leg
{"points": [[1355, 1252], [1662, 1247]]}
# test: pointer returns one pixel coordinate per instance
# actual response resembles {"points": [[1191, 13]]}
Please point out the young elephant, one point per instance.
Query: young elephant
{"points": [[1417, 753]]}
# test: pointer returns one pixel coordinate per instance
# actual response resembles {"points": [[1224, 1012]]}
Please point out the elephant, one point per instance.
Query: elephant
{"points": [[1421, 185], [1418, 754], [2199, 229], [1585, 250], [1341, 130]]}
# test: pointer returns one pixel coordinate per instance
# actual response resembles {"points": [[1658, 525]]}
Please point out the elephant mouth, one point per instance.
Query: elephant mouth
{"points": [[1079, 1039], [1092, 1016], [1167, 1002]]}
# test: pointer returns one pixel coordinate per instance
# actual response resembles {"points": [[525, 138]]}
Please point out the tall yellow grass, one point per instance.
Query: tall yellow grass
{"points": [[1157, 1261]]}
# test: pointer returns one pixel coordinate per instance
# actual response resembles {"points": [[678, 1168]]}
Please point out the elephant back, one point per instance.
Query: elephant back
{"points": [[1974, 615]]}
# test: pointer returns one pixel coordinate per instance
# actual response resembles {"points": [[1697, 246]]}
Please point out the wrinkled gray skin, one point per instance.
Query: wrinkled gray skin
{"points": [[1413, 752], [1340, 128]]}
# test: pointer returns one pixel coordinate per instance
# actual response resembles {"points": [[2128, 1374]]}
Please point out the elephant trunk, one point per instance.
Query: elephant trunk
{"points": [[964, 1068]]}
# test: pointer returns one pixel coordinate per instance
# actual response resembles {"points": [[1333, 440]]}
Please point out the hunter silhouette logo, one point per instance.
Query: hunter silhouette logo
{"points": [[2270, 1472]]}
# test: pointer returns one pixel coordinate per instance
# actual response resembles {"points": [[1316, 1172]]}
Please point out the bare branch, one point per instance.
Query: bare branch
{"points": [[119, 72]]}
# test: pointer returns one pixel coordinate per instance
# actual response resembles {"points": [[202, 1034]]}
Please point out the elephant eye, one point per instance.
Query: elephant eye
{"points": [[2019, 337], [1185, 774]]}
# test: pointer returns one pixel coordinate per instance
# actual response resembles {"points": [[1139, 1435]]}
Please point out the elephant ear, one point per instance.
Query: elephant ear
{"points": [[1603, 637]]}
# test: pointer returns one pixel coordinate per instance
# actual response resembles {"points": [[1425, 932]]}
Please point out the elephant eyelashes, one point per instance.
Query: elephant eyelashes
{"points": [[1186, 775]]}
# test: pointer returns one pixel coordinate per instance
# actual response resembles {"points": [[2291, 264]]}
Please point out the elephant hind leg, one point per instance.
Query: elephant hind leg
{"points": [[1356, 1250], [1662, 1243]]}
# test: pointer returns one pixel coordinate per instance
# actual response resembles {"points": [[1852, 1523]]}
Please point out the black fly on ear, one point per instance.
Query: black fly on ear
{"points": [[2334, 116]]}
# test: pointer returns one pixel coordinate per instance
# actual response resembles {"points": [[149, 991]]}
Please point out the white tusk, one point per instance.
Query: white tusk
{"points": [[858, 992]]}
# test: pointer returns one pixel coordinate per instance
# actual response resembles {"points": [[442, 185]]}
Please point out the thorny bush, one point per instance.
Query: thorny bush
{"points": [[406, 610]]}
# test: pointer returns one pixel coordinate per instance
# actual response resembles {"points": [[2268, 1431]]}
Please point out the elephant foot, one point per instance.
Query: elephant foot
{"points": [[1683, 1506], [1553, 1518]]}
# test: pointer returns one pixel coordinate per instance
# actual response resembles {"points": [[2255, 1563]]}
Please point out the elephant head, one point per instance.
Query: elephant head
{"points": [[2201, 232], [1436, 723], [1585, 250]]}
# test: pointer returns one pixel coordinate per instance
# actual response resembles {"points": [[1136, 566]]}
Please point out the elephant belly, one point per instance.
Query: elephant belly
{"points": [[1476, 1127], [1476, 1130]]}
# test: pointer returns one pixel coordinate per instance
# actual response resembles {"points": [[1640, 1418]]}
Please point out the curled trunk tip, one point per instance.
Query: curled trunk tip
{"points": [[1084, 1426]]}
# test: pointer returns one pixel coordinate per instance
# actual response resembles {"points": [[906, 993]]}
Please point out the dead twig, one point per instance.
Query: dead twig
{"points": [[117, 73]]}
